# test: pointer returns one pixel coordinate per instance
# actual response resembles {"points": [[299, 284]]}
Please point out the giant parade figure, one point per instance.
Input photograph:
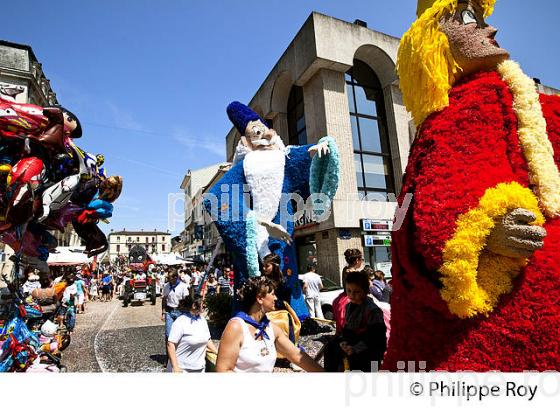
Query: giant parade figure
{"points": [[251, 204], [475, 263]]}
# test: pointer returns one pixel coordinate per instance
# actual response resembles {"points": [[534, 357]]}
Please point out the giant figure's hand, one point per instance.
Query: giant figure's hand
{"points": [[321, 149], [276, 231], [514, 237]]}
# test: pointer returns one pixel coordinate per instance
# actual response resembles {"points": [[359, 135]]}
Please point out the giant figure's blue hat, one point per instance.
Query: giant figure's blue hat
{"points": [[241, 115]]}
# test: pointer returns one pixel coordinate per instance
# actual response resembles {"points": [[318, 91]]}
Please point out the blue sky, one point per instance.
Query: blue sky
{"points": [[150, 80]]}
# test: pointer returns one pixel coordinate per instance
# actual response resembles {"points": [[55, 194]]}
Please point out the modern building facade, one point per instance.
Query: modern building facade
{"points": [[339, 79], [155, 242]]}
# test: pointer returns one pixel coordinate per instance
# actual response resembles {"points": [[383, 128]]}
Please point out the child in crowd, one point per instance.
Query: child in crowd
{"points": [[362, 341]]}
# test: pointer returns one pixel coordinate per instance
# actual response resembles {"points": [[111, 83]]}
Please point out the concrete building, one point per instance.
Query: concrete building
{"points": [[338, 78], [155, 242], [193, 185]]}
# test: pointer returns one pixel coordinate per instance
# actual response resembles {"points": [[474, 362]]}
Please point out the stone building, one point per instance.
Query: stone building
{"points": [[155, 242], [21, 71]]}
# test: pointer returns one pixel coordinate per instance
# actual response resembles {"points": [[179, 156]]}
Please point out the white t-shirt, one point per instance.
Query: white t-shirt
{"points": [[191, 337], [314, 284], [175, 294]]}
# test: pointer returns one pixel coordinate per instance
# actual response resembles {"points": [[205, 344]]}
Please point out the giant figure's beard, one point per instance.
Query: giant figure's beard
{"points": [[241, 150]]}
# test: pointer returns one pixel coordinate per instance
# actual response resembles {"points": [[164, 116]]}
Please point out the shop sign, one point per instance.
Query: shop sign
{"points": [[378, 225], [304, 221], [371, 241]]}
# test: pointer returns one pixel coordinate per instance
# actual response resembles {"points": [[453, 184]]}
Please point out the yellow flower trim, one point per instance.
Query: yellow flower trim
{"points": [[473, 279], [533, 137]]}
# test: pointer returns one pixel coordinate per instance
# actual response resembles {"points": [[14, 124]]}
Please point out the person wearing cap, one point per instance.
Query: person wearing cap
{"points": [[272, 171], [475, 262]]}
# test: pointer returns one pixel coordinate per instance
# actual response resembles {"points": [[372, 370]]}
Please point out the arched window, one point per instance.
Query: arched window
{"points": [[296, 117], [372, 155]]}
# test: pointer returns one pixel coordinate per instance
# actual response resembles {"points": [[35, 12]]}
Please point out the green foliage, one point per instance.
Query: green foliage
{"points": [[219, 308]]}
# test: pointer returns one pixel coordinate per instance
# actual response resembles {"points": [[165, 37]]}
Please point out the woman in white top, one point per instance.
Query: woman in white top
{"points": [[189, 339], [250, 342]]}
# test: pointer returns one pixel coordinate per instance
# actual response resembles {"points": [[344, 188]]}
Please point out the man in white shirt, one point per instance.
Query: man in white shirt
{"points": [[173, 292], [312, 285]]}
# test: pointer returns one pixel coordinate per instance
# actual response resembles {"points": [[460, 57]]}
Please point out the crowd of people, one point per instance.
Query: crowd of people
{"points": [[256, 336], [264, 327]]}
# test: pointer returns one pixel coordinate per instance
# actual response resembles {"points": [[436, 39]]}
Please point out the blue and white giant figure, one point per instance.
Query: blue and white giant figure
{"points": [[251, 204]]}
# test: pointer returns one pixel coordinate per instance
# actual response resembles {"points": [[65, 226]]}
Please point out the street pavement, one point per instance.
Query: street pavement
{"points": [[111, 338]]}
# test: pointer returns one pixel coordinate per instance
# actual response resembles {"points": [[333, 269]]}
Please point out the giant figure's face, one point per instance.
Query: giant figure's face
{"points": [[471, 40], [260, 137]]}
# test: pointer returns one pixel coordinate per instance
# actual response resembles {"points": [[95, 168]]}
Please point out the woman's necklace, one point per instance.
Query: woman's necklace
{"points": [[264, 350]]}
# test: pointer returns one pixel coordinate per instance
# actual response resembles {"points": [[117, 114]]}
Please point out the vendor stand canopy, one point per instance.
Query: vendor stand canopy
{"points": [[68, 255], [171, 259]]}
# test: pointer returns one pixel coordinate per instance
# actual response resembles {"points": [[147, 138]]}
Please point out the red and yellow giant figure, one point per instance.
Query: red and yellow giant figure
{"points": [[476, 262]]}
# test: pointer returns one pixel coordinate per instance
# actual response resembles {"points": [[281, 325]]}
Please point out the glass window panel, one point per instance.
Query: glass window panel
{"points": [[373, 96], [355, 135], [369, 131], [382, 254], [302, 137], [359, 175], [299, 110], [347, 77], [375, 171], [363, 104], [361, 195], [300, 124], [350, 95]]}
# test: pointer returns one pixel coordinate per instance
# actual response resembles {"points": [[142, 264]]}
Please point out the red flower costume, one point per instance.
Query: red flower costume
{"points": [[460, 154]]}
